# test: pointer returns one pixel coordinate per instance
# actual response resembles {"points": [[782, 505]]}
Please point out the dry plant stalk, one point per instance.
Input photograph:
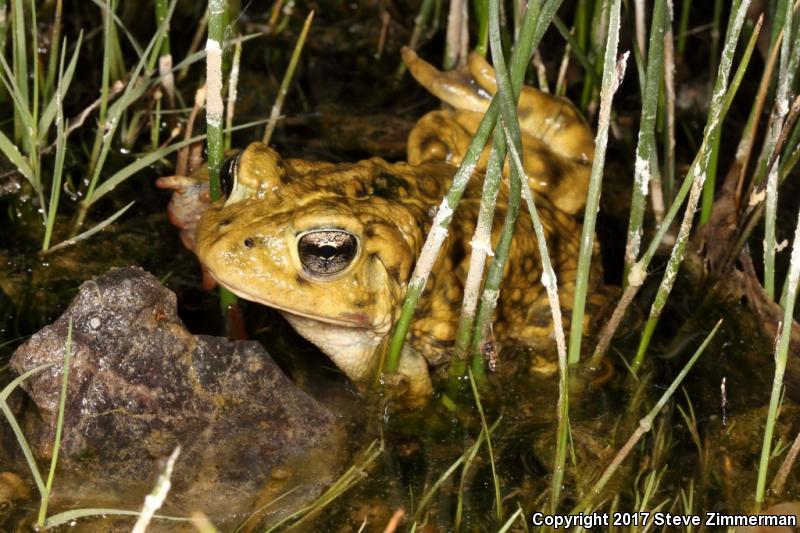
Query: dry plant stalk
{"points": [[611, 81], [154, 500], [186, 164], [457, 38], [779, 482], [668, 177], [275, 113], [233, 84], [645, 425]]}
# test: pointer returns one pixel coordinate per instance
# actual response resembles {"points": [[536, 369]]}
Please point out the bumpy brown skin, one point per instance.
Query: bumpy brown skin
{"points": [[249, 243]]}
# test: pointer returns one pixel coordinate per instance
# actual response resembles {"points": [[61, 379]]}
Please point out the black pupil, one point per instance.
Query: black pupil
{"points": [[227, 175], [327, 252]]}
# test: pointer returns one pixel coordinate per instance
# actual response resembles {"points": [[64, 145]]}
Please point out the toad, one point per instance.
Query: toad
{"points": [[332, 246]]}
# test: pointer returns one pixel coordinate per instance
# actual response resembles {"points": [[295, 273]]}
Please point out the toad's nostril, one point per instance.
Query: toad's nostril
{"points": [[249, 243]]}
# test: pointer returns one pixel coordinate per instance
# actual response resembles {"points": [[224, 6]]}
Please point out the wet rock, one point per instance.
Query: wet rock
{"points": [[140, 384]]}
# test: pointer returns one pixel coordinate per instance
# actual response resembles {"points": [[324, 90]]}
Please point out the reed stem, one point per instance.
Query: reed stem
{"points": [[699, 173], [58, 166], [533, 28], [233, 83], [645, 149], [781, 357], [550, 282], [62, 402], [638, 272], [508, 110], [481, 247], [613, 72], [779, 112]]}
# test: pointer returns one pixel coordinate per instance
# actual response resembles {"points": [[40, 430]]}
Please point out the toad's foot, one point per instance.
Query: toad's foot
{"points": [[411, 384], [189, 201]]}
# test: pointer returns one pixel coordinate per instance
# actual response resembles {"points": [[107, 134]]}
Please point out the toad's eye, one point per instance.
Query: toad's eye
{"points": [[326, 252], [227, 175]]}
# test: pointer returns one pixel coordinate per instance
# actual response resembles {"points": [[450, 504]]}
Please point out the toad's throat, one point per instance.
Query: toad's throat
{"points": [[354, 320]]}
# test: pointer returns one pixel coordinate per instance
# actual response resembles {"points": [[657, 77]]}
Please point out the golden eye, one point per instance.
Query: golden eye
{"points": [[327, 252]]}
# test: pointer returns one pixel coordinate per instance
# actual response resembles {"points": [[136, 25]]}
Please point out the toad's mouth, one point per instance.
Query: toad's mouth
{"points": [[349, 320]]}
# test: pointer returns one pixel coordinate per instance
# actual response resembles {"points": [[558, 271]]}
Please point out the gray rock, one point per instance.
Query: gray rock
{"points": [[140, 384]]}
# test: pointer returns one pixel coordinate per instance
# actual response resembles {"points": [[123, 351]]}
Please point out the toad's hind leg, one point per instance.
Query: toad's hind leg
{"points": [[552, 120], [557, 144]]}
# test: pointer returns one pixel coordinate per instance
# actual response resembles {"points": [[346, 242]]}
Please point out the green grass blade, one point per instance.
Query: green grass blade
{"points": [[162, 49], [121, 175], [19, 97], [511, 519], [62, 402], [645, 148], [612, 74], [683, 27], [287, 79], [472, 452], [61, 149], [34, 37], [53, 53], [645, 424], [781, 357], [49, 113], [700, 173], [498, 499], [346, 481], [20, 75], [12, 421], [20, 161], [66, 517], [743, 64], [576, 51], [469, 452], [137, 48], [4, 22], [88, 233]]}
